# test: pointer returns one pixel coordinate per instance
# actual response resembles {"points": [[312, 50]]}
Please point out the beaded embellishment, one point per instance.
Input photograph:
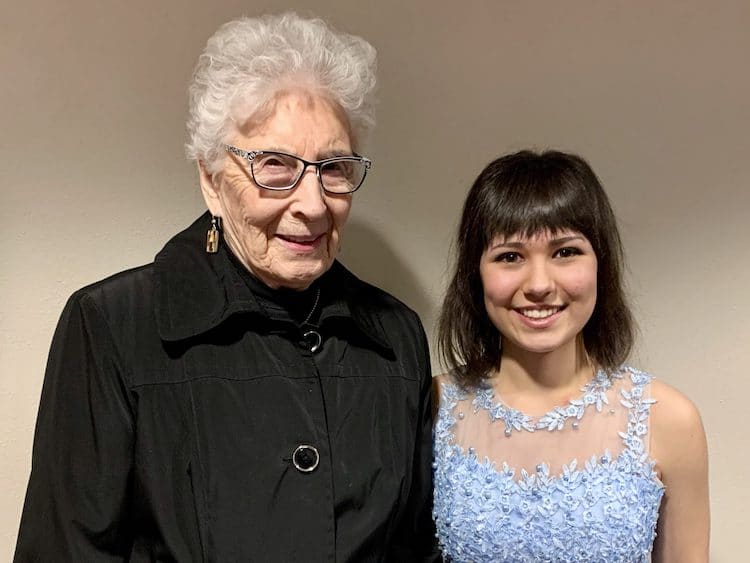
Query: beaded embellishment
{"points": [[594, 394]]}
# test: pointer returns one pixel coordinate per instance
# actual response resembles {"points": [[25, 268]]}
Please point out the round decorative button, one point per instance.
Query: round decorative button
{"points": [[306, 458]]}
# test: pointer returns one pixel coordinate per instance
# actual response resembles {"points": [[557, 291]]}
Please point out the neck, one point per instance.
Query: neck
{"points": [[562, 370]]}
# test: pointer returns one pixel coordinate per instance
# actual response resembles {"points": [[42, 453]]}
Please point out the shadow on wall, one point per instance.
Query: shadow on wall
{"points": [[369, 256]]}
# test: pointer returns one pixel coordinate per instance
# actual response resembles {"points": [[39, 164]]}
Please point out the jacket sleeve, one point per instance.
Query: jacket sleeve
{"points": [[415, 540], [76, 506]]}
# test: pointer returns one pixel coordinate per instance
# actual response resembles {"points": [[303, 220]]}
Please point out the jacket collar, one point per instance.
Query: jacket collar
{"points": [[195, 292]]}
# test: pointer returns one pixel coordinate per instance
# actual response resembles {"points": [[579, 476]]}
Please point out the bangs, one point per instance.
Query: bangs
{"points": [[531, 205]]}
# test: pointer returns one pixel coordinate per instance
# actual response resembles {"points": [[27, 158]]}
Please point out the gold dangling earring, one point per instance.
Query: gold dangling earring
{"points": [[213, 234]]}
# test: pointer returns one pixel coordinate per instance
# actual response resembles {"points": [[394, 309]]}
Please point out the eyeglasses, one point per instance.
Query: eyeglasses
{"points": [[273, 170]]}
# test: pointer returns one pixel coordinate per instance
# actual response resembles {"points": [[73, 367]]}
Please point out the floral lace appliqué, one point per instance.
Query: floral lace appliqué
{"points": [[603, 510], [594, 394]]}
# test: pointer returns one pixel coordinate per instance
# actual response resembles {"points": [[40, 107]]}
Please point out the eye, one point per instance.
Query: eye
{"points": [[568, 252], [337, 169], [274, 170], [272, 162], [508, 257]]}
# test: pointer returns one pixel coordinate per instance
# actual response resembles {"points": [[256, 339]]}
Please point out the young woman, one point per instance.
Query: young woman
{"points": [[547, 447]]}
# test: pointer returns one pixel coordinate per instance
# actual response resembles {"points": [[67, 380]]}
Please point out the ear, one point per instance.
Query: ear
{"points": [[209, 188]]}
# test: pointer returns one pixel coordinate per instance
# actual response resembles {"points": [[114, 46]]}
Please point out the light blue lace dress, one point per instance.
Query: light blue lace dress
{"points": [[573, 485]]}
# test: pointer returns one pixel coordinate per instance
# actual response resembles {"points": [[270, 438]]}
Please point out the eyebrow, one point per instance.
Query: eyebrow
{"points": [[553, 242], [329, 153]]}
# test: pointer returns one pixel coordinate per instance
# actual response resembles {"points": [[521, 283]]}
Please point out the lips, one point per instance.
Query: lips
{"points": [[299, 239], [302, 243]]}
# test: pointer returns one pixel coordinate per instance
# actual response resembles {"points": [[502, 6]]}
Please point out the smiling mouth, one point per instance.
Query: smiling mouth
{"points": [[300, 239], [540, 312]]}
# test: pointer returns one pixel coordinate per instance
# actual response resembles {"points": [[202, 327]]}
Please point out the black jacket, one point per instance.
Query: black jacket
{"points": [[173, 403]]}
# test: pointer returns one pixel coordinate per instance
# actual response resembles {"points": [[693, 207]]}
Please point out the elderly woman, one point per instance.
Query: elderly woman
{"points": [[244, 397]]}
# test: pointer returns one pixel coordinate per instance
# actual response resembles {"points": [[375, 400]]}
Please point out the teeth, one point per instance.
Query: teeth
{"points": [[539, 313]]}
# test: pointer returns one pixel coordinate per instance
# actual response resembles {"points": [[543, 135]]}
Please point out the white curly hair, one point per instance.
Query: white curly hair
{"points": [[249, 60]]}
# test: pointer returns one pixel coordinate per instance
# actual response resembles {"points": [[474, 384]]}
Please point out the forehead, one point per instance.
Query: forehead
{"points": [[297, 117]]}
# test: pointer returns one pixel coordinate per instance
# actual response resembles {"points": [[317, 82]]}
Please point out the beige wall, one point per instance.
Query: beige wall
{"points": [[655, 94]]}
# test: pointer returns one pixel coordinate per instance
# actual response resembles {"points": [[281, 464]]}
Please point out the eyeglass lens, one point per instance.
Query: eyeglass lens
{"points": [[278, 171]]}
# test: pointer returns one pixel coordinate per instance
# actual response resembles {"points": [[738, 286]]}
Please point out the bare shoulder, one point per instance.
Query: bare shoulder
{"points": [[676, 428], [673, 412]]}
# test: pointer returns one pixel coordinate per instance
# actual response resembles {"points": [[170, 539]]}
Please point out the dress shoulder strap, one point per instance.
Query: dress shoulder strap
{"points": [[635, 396]]}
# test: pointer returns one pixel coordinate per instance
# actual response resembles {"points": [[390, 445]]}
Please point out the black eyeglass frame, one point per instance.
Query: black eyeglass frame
{"points": [[250, 156]]}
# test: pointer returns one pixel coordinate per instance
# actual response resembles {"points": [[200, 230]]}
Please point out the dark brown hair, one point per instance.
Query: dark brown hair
{"points": [[527, 193]]}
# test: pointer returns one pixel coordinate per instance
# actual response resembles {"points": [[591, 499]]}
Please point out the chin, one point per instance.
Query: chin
{"points": [[539, 346], [299, 277], [541, 350]]}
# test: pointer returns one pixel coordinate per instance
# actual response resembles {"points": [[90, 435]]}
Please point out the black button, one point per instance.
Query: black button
{"points": [[305, 458]]}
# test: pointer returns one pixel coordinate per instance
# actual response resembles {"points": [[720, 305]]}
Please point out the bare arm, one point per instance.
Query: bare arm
{"points": [[679, 448]]}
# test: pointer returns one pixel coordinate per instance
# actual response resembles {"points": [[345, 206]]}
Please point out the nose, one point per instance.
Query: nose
{"points": [[309, 198], [539, 282]]}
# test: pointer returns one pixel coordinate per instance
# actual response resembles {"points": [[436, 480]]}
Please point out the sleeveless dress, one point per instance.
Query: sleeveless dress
{"points": [[573, 485]]}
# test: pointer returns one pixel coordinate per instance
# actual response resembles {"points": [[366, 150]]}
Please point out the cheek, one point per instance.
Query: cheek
{"points": [[582, 284], [498, 290], [259, 216], [253, 213], [339, 210]]}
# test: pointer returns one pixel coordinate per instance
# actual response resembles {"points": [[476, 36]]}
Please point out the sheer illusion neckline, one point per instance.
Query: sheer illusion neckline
{"points": [[591, 494], [593, 394]]}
